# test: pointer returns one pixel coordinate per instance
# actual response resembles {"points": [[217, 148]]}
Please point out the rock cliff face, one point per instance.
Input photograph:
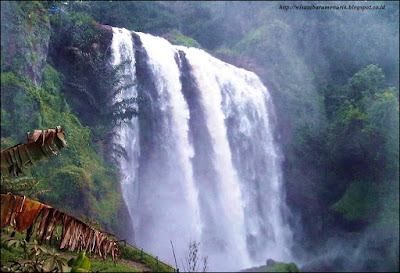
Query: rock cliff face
{"points": [[76, 58], [25, 39], [25, 35]]}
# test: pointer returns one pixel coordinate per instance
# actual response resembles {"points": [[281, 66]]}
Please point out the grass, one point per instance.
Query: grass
{"points": [[134, 254], [108, 266]]}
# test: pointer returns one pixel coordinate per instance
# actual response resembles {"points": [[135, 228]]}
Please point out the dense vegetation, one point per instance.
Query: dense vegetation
{"points": [[82, 181], [132, 259], [333, 75]]}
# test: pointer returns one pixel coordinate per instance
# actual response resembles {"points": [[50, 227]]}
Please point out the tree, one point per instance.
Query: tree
{"points": [[41, 144]]}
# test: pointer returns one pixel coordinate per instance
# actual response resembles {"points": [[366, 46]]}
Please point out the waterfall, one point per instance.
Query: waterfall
{"points": [[202, 162], [128, 133]]}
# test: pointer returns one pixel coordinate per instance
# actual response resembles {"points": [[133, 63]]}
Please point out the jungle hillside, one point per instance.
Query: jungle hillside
{"points": [[333, 78]]}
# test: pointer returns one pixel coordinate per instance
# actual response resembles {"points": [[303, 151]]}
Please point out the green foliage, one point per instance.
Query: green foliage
{"points": [[72, 29], [40, 258], [360, 202], [289, 78], [25, 38], [54, 261], [364, 125], [52, 81], [91, 84], [138, 15], [70, 184], [7, 142], [388, 218], [5, 119], [292, 267], [80, 264], [94, 97], [69, 176], [19, 185], [276, 267], [15, 252], [226, 51], [177, 38], [368, 81], [19, 106], [10, 254], [383, 118]]}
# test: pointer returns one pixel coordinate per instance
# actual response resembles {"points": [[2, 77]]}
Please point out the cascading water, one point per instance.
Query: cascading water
{"points": [[202, 163], [128, 133], [167, 193]]}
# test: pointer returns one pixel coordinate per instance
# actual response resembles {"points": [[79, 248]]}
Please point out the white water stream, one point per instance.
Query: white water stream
{"points": [[202, 162]]}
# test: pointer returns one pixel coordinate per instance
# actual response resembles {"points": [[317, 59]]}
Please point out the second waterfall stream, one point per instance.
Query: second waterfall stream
{"points": [[201, 162]]}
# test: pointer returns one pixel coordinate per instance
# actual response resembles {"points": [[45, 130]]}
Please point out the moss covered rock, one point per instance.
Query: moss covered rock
{"points": [[25, 38]]}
